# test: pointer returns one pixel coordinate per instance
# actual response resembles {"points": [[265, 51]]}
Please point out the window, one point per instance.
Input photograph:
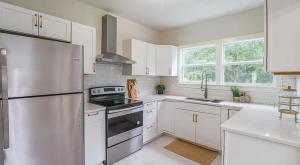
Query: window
{"points": [[199, 60], [243, 62], [235, 62]]}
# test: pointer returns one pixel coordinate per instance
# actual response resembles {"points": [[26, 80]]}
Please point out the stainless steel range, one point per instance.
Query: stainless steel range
{"points": [[124, 121]]}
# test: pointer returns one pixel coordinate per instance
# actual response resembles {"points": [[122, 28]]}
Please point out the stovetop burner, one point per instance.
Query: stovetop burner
{"points": [[112, 98]]}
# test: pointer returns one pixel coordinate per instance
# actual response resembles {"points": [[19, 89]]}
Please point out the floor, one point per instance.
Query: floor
{"points": [[154, 154]]}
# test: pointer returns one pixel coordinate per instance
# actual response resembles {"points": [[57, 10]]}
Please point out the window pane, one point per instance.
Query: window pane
{"points": [[247, 73], [199, 55], [194, 73], [250, 50]]}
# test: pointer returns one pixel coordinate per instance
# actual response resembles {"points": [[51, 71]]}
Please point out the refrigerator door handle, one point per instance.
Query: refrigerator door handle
{"points": [[5, 113]]}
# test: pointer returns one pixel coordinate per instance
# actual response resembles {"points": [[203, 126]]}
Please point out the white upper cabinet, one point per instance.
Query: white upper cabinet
{"points": [[18, 19], [139, 55], [151, 59], [282, 32], [155, 60], [86, 36], [54, 27], [166, 60], [144, 54]]}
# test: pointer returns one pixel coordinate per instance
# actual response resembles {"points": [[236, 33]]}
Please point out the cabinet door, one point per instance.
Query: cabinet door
{"points": [[185, 125], [166, 117], [139, 55], [86, 36], [14, 18], [149, 132], [208, 131], [150, 113], [54, 27], [151, 59], [166, 60], [94, 134], [283, 31]]}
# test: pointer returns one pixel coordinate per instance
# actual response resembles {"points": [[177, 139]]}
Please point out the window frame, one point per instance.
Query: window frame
{"points": [[220, 62], [181, 65]]}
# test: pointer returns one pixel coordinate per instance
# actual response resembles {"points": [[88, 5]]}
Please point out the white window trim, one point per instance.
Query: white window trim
{"points": [[220, 64]]}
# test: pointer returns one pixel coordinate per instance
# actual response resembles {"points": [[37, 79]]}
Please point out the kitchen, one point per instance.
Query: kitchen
{"points": [[190, 48]]}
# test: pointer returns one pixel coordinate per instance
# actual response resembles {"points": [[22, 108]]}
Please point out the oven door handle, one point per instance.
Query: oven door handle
{"points": [[125, 111]]}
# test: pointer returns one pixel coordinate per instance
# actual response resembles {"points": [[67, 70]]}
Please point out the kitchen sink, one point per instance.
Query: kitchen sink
{"points": [[205, 100]]}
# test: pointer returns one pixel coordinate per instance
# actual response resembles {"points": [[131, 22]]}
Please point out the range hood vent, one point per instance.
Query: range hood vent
{"points": [[109, 43]]}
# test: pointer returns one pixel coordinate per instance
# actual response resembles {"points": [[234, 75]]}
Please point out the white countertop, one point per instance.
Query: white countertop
{"points": [[228, 104], [263, 122], [89, 107], [259, 121]]}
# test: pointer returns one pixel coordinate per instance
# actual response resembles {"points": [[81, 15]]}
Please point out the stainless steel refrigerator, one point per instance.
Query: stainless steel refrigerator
{"points": [[42, 102]]}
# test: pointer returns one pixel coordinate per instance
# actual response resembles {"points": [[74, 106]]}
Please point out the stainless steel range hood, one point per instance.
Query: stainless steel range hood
{"points": [[109, 43]]}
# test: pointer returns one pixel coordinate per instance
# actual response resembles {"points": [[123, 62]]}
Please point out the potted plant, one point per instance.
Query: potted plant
{"points": [[160, 88], [236, 93]]}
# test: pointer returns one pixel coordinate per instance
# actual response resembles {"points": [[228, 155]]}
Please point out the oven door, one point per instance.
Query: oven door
{"points": [[124, 124]]}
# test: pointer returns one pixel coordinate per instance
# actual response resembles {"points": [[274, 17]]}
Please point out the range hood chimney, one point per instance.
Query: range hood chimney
{"points": [[109, 43]]}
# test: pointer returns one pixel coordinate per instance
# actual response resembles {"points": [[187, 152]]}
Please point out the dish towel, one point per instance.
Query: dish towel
{"points": [[132, 92]]}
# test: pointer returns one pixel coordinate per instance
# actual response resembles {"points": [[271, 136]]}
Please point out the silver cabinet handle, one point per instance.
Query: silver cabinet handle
{"points": [[196, 118], [5, 112], [193, 118], [36, 20], [41, 21], [93, 114], [149, 127]]}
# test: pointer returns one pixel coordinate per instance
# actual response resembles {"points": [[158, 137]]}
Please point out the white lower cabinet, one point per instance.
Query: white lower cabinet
{"points": [[94, 135], [208, 131], [200, 124], [150, 130], [185, 124], [166, 117]]}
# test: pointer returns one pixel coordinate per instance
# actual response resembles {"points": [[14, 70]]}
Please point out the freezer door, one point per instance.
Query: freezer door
{"points": [[46, 131], [41, 67]]}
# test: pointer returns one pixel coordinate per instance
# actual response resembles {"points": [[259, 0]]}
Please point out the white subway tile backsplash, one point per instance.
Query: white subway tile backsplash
{"points": [[109, 74]]}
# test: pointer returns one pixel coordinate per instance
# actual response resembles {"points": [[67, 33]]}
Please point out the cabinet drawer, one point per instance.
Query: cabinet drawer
{"points": [[200, 108], [150, 132], [150, 116], [150, 105]]}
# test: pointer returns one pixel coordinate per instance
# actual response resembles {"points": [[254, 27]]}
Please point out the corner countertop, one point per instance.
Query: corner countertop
{"points": [[263, 122], [89, 107], [254, 120]]}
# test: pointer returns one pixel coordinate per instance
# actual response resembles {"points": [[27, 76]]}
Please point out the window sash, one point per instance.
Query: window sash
{"points": [[220, 62]]}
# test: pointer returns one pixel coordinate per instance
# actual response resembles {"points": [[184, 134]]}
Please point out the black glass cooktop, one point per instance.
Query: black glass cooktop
{"points": [[116, 103]]}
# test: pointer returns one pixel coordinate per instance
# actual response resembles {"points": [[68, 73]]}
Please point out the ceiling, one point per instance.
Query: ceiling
{"points": [[166, 14]]}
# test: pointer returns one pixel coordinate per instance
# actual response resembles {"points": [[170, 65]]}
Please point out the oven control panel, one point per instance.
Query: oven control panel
{"points": [[107, 90]]}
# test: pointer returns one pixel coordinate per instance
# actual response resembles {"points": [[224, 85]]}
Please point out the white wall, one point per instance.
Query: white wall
{"points": [[248, 22]]}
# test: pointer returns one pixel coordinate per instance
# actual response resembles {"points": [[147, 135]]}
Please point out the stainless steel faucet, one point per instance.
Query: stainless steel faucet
{"points": [[205, 89]]}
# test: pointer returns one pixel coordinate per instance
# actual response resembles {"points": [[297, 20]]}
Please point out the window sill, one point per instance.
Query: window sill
{"points": [[265, 88]]}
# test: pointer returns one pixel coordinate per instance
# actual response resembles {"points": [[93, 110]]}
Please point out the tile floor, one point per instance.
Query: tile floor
{"points": [[154, 154]]}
